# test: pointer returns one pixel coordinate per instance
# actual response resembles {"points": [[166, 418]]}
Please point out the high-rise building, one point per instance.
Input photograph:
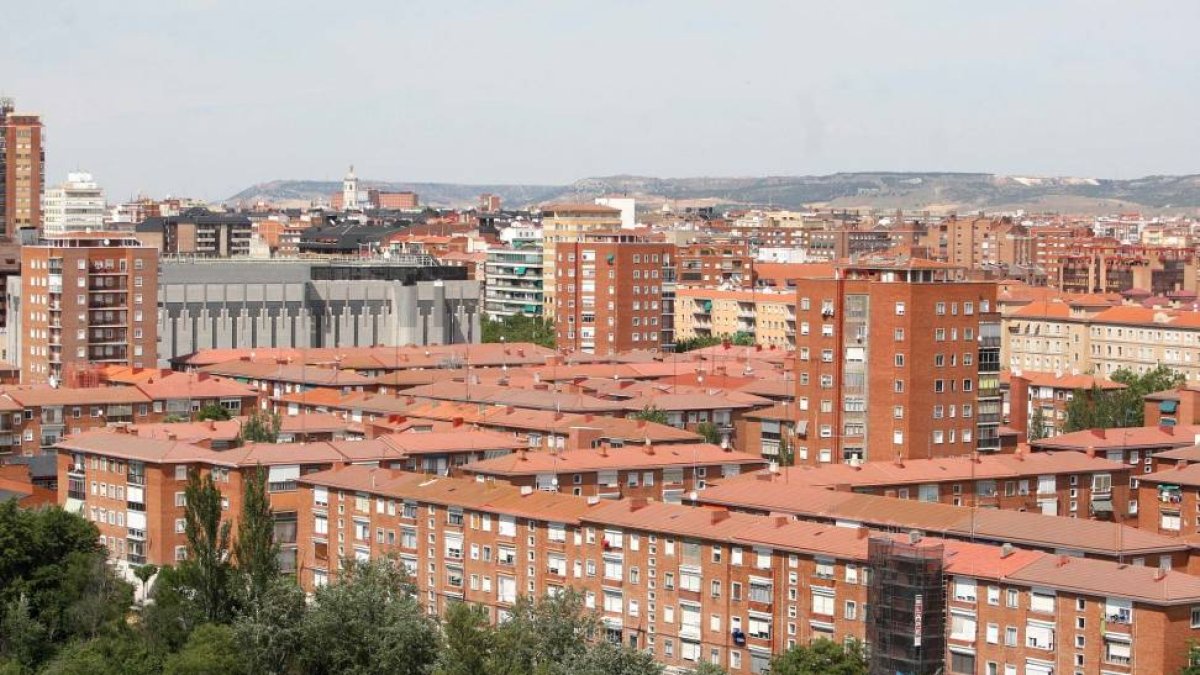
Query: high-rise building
{"points": [[74, 206], [513, 282], [611, 293], [22, 170], [565, 224], [87, 297], [895, 359]]}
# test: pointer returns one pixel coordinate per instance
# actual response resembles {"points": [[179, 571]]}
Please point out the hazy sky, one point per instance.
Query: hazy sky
{"points": [[209, 96]]}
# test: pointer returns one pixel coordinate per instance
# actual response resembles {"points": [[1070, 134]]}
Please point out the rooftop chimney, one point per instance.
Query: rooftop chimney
{"points": [[638, 503], [914, 537], [1006, 550], [863, 532], [719, 515]]}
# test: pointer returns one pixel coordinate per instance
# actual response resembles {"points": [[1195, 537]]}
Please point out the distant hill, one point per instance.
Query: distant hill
{"points": [[937, 192]]}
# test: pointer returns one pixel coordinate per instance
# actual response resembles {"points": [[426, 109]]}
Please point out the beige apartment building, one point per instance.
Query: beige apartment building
{"points": [[566, 223], [768, 317], [1083, 337]]}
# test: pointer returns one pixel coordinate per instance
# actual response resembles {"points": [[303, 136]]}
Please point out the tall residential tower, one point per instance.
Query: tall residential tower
{"points": [[22, 170], [896, 360]]}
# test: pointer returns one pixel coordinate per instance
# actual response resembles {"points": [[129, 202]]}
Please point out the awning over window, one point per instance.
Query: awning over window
{"points": [[1168, 406], [802, 428], [1102, 506]]}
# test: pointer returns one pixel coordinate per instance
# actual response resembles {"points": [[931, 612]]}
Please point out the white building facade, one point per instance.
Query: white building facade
{"points": [[74, 206]]}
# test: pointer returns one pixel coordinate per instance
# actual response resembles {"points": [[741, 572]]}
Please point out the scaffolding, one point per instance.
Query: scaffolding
{"points": [[906, 629]]}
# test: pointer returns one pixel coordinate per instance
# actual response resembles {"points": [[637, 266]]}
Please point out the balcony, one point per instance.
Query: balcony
{"points": [[136, 479], [137, 534]]}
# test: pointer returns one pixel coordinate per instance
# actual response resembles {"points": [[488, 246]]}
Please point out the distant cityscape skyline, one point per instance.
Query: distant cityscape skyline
{"points": [[531, 93]]}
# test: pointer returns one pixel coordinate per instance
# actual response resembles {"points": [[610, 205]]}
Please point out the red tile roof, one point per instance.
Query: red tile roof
{"points": [[1130, 437], [914, 471], [601, 459], [1020, 528]]}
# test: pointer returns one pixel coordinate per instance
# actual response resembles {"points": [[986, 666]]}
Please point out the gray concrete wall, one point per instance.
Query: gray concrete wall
{"points": [[199, 309]]}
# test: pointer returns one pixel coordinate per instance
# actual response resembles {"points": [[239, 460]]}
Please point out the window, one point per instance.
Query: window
{"points": [[962, 625], [1039, 635], [823, 601], [964, 589], [1041, 601]]}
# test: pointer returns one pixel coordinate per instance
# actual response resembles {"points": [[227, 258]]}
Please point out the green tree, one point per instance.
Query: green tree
{"points": [[268, 631], [709, 669], [368, 622], [144, 574], [470, 640], [786, 456], [23, 639], [742, 339], [698, 342], [175, 611], [261, 427], [1098, 408], [212, 411], [256, 552], [120, 651], [208, 536], [709, 432], [1193, 666], [519, 328], [210, 650], [542, 635], [1037, 424], [54, 583], [821, 657], [650, 414], [605, 658]]}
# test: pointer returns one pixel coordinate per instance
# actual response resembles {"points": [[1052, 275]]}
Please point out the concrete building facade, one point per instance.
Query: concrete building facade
{"points": [[306, 303]]}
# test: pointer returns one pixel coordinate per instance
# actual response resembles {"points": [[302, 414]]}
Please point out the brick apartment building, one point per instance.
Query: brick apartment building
{"points": [[133, 486], [566, 224], [22, 170], [611, 294], [663, 473], [710, 264], [198, 232], [895, 359], [700, 585], [87, 297], [1052, 483], [773, 494]]}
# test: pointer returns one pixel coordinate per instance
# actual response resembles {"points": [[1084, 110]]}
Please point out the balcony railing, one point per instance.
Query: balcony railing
{"points": [[136, 479]]}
